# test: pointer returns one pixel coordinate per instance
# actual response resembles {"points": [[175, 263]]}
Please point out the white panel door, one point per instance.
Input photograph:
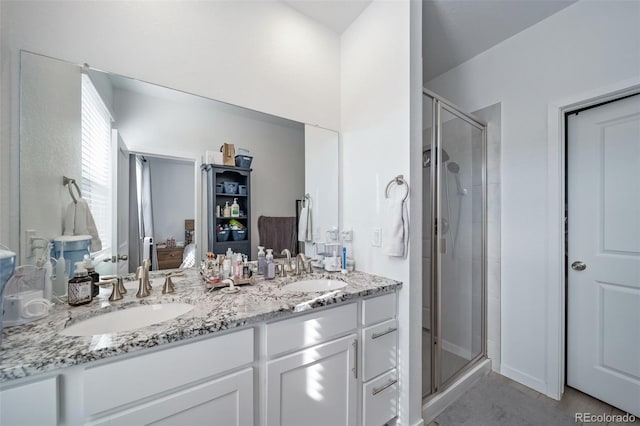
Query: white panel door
{"points": [[603, 189], [316, 386]]}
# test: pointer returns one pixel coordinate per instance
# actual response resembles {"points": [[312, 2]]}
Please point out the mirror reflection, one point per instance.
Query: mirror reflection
{"points": [[135, 151]]}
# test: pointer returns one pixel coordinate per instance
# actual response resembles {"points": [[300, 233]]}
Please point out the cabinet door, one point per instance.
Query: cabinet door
{"points": [[316, 386], [227, 401], [17, 404]]}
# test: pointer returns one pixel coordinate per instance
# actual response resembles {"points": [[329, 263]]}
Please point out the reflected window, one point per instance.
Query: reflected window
{"points": [[97, 161]]}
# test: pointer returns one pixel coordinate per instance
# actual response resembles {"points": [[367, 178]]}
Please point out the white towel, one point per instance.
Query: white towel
{"points": [[395, 234], [304, 225], [79, 221]]}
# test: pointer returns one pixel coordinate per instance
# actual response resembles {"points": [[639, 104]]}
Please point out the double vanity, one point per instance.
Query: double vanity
{"points": [[274, 353]]}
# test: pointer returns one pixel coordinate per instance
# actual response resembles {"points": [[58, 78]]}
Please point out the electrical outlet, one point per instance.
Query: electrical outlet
{"points": [[376, 238], [29, 235], [346, 236]]}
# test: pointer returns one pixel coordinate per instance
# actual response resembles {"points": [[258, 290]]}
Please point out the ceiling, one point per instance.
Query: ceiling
{"points": [[454, 31]]}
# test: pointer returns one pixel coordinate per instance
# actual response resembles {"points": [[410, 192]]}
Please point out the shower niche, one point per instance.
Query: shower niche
{"points": [[454, 241]]}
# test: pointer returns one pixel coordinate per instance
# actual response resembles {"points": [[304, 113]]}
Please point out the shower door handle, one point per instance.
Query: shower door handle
{"points": [[578, 266]]}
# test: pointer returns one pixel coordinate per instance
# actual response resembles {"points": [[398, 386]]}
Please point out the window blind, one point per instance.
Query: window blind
{"points": [[96, 182]]}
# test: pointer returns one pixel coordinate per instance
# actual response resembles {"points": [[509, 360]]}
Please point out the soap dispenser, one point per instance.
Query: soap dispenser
{"points": [[235, 208], [262, 261], [270, 272], [79, 290], [226, 212]]}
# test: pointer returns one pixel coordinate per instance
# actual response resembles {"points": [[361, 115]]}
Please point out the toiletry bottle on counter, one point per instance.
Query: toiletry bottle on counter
{"points": [[60, 281], [79, 289], [270, 272], [235, 208], [95, 277], [262, 261], [227, 210], [237, 271]]}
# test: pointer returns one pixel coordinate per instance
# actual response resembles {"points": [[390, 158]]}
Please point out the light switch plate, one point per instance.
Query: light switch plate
{"points": [[376, 237]]}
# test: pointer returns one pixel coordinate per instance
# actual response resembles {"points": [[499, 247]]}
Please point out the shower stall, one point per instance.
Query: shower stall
{"points": [[454, 244]]}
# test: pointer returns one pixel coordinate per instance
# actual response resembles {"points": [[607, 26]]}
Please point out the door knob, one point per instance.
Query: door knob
{"points": [[114, 259], [578, 266]]}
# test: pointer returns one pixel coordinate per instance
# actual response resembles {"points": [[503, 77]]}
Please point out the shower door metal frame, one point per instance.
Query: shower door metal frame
{"points": [[435, 271]]}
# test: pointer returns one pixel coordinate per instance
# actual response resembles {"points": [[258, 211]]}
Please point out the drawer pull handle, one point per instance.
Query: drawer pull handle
{"points": [[387, 385], [383, 333], [355, 357]]}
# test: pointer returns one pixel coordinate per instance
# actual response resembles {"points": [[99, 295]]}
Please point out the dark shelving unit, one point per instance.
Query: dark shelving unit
{"points": [[218, 174]]}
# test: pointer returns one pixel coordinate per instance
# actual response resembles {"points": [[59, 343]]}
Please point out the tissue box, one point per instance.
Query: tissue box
{"points": [[212, 157]]}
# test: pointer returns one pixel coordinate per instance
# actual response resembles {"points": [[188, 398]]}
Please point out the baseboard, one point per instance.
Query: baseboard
{"points": [[523, 378], [436, 405], [455, 349]]}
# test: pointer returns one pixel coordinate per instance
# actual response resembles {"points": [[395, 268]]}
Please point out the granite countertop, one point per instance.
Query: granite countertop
{"points": [[37, 347]]}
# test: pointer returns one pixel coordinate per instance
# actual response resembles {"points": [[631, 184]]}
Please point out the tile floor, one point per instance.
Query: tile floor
{"points": [[573, 401]]}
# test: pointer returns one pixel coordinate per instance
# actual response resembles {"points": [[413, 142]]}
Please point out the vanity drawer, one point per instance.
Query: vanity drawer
{"points": [[169, 258], [378, 309], [114, 384], [380, 399], [307, 330], [379, 348]]}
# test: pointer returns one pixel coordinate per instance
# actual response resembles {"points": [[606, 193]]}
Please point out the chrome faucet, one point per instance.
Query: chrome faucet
{"points": [[142, 273]]}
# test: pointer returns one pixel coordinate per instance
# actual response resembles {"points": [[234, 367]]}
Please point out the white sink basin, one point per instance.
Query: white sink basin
{"points": [[315, 285], [127, 319]]}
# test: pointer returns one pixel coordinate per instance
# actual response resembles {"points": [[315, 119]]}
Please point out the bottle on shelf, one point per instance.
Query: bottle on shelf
{"points": [[235, 208], [227, 210]]}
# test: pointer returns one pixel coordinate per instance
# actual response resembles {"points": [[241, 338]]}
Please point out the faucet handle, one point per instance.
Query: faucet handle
{"points": [[168, 286], [118, 286]]}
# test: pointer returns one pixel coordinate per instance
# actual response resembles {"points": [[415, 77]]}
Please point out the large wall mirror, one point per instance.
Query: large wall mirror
{"points": [[145, 177]]}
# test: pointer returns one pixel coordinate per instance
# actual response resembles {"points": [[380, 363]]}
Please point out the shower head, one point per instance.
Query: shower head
{"points": [[426, 157], [453, 167]]}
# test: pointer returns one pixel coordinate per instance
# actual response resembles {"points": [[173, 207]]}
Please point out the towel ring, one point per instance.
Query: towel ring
{"points": [[400, 181], [68, 182]]}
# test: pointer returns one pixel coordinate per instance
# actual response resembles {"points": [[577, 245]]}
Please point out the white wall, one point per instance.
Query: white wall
{"points": [[186, 126], [321, 181], [51, 143], [376, 104], [172, 197], [585, 46], [261, 55]]}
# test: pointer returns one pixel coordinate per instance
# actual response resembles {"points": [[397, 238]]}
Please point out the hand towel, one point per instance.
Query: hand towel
{"points": [[303, 224], [79, 221], [305, 228], [395, 233]]}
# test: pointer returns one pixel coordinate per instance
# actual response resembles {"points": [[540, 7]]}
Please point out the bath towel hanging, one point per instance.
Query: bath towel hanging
{"points": [[395, 234]]}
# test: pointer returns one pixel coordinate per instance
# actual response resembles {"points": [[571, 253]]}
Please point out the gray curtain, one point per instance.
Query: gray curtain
{"points": [[135, 243]]}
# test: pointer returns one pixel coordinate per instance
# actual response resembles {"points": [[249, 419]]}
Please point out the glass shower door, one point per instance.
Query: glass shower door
{"points": [[460, 234], [454, 235]]}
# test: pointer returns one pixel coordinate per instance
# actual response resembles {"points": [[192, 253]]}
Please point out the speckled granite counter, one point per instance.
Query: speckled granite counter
{"points": [[37, 347]]}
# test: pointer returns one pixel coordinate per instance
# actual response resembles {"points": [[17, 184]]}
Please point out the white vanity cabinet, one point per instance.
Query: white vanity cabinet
{"points": [[195, 383], [34, 403], [379, 360], [311, 376]]}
